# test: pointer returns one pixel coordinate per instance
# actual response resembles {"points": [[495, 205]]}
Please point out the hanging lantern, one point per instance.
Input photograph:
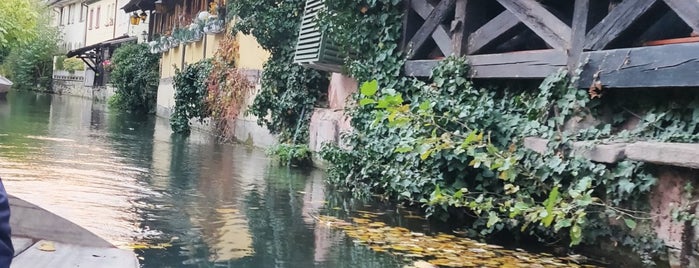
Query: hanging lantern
{"points": [[143, 16], [135, 19]]}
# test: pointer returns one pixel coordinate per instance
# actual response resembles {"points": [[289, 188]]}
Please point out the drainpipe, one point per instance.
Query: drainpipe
{"points": [[87, 12], [114, 24]]}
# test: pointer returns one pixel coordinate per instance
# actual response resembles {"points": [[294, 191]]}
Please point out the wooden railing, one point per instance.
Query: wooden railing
{"points": [[608, 39]]}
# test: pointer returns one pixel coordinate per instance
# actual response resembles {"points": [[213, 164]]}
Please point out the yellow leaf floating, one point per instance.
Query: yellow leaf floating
{"points": [[47, 246], [442, 250]]}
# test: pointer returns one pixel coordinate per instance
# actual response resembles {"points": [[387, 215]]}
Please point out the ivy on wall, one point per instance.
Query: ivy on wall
{"points": [[190, 92], [288, 91], [457, 148]]}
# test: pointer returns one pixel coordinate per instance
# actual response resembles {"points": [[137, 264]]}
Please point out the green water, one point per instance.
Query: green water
{"points": [[177, 202]]}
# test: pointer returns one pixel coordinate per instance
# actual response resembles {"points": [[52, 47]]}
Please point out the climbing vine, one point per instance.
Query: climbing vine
{"points": [[190, 92], [288, 91], [227, 88]]}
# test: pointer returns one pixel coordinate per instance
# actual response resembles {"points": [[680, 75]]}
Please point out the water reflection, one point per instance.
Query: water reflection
{"points": [[178, 202]]}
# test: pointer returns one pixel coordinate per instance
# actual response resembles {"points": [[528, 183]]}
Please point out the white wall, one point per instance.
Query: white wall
{"points": [[70, 23]]}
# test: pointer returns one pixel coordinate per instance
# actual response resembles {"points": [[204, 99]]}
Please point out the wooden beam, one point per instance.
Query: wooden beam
{"points": [[547, 26], [688, 10], [489, 32], [526, 64], [618, 20], [440, 35], [581, 11], [438, 14], [664, 66], [469, 15]]}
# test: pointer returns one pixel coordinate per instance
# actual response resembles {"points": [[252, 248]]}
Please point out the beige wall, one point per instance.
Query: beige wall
{"points": [[251, 54], [112, 22]]}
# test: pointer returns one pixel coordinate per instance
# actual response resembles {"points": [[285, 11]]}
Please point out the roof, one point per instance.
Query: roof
{"points": [[111, 42], [60, 3], [135, 5]]}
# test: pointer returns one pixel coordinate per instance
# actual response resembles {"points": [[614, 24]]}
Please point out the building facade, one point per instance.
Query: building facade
{"points": [[106, 20], [69, 17]]}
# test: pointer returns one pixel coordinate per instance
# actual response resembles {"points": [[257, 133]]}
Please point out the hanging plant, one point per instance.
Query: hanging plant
{"points": [[214, 25], [154, 47], [195, 32]]}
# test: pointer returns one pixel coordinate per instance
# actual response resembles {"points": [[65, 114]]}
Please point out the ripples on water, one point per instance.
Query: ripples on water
{"points": [[177, 202]]}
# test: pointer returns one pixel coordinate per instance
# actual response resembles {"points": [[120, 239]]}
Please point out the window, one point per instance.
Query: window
{"points": [[82, 13], [69, 18], [97, 19], [92, 12], [62, 15]]}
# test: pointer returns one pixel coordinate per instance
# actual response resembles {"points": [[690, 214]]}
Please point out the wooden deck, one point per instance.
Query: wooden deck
{"points": [[43, 239]]}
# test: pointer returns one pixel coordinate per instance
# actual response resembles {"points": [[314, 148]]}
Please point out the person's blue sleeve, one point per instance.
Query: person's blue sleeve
{"points": [[6, 249]]}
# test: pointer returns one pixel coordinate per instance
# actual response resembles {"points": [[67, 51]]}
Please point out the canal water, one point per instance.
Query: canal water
{"points": [[177, 202], [193, 202]]}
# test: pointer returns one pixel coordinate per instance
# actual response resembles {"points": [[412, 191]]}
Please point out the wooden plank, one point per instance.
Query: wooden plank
{"points": [[581, 11], [410, 25], [618, 20], [440, 35], [29, 220], [675, 65], [490, 32], [526, 64], [438, 14], [66, 255], [468, 17], [21, 244], [688, 10], [547, 26]]}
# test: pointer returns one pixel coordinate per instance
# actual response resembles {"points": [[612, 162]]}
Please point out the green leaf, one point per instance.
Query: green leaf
{"points": [[365, 102], [630, 223], [550, 202], [492, 219], [425, 105], [370, 88], [575, 235], [404, 149]]}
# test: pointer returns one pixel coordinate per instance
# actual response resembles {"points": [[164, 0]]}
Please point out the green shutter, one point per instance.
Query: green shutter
{"points": [[314, 49]]}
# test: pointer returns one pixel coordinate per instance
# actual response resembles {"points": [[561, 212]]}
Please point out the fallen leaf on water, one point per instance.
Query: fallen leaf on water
{"points": [[47, 246]]}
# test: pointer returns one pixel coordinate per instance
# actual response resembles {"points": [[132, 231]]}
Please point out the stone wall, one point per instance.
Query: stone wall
{"points": [[65, 83]]}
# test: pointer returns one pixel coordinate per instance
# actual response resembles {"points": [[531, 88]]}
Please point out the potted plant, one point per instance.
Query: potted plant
{"points": [[213, 25], [154, 47], [196, 32]]}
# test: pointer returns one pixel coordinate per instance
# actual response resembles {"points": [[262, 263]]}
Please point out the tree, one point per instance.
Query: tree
{"points": [[18, 21]]}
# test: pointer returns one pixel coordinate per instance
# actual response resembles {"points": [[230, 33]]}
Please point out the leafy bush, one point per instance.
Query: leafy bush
{"points": [[30, 67], [136, 76], [291, 154], [68, 64], [190, 92]]}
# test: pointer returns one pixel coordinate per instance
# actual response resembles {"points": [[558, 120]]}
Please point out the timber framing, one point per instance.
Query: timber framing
{"points": [[615, 43]]}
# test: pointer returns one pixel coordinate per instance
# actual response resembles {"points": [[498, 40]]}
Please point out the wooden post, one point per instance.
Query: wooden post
{"points": [[468, 16], [577, 41], [547, 26], [431, 23], [618, 20]]}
